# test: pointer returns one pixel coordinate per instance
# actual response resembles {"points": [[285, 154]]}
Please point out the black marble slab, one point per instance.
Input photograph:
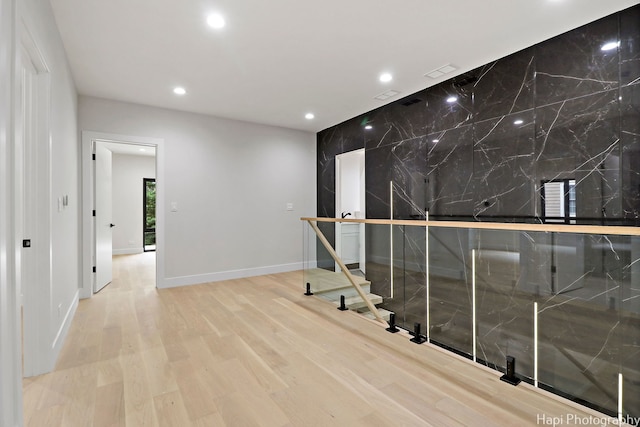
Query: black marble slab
{"points": [[503, 165], [630, 140], [399, 121], [450, 104], [505, 86], [580, 139], [573, 64], [450, 171], [630, 46]]}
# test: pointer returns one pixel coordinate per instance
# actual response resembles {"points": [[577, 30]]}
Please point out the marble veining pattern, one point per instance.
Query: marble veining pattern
{"points": [[563, 109]]}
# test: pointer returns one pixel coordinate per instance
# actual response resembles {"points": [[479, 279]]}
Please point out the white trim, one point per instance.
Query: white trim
{"points": [[88, 247], [535, 344], [473, 304], [391, 284], [620, 397], [64, 329], [128, 251], [427, 272], [10, 360], [231, 274]]}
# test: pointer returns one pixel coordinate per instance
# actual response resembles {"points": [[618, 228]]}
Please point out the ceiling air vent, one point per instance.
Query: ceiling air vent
{"points": [[388, 94], [465, 81], [410, 101], [439, 72]]}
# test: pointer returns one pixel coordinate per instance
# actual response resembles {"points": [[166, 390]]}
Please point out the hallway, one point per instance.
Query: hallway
{"points": [[256, 351]]}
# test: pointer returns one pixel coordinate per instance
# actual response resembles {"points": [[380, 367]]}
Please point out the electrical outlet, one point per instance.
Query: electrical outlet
{"points": [[289, 206], [59, 309]]}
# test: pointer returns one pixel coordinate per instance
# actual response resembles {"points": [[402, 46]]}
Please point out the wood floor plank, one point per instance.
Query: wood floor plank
{"points": [[170, 410], [258, 352], [109, 410]]}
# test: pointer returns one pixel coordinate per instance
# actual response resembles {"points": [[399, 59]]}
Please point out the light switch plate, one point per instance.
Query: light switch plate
{"points": [[174, 206], [289, 206]]}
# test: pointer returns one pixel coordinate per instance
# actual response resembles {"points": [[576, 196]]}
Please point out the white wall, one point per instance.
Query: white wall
{"points": [[231, 181], [128, 172], [62, 147], [65, 176], [11, 385]]}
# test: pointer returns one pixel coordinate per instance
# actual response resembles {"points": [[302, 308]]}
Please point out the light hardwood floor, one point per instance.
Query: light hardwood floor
{"points": [[257, 352]]}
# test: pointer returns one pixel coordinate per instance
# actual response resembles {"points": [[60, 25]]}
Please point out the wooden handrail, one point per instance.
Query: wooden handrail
{"points": [[509, 226], [347, 273]]}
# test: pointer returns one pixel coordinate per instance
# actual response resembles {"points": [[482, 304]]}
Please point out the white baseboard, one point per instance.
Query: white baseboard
{"points": [[63, 330], [173, 282], [127, 251]]}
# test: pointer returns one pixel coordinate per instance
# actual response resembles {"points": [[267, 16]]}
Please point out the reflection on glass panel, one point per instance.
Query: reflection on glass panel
{"points": [[409, 277], [450, 288], [504, 300], [378, 259], [327, 280], [578, 315], [586, 289]]}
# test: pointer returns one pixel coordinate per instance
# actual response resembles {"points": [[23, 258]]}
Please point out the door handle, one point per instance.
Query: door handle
{"points": [[111, 225]]}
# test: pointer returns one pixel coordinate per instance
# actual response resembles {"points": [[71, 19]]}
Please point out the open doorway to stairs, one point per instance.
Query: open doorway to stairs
{"points": [[350, 204], [115, 171]]}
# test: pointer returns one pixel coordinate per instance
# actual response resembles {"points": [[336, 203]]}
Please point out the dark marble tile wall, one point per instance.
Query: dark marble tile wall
{"points": [[480, 145], [564, 108]]}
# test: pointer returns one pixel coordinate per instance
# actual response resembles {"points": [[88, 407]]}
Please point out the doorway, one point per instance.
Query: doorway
{"points": [[559, 200], [127, 232], [149, 214], [350, 204]]}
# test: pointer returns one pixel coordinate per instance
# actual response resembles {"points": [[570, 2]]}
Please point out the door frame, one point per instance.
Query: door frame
{"points": [[89, 138], [338, 205]]}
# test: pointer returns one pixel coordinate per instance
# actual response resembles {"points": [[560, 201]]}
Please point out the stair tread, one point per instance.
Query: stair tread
{"points": [[383, 313], [327, 281], [356, 300]]}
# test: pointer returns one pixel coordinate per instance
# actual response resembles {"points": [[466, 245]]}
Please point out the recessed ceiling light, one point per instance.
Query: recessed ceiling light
{"points": [[179, 90], [368, 127], [610, 46], [309, 116], [215, 20], [518, 122], [452, 99], [385, 77]]}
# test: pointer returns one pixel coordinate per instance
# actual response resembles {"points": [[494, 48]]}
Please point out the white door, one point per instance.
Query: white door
{"points": [[25, 220], [104, 217], [350, 203]]}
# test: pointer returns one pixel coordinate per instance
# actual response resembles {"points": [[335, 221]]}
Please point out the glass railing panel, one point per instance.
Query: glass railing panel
{"points": [[378, 262], [579, 329], [409, 277], [630, 318], [450, 313], [319, 267], [364, 250], [504, 300]]}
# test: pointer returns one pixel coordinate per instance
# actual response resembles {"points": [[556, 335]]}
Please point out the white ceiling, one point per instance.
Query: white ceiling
{"points": [[277, 60]]}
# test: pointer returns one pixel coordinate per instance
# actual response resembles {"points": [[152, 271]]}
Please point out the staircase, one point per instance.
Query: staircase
{"points": [[331, 285]]}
